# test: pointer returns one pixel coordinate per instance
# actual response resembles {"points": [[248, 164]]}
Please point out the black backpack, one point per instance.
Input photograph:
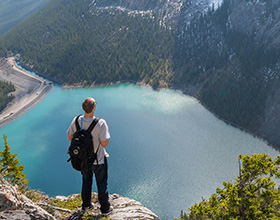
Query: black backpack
{"points": [[81, 149]]}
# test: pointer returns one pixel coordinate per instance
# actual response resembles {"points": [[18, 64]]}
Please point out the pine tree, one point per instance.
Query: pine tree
{"points": [[253, 195], [9, 165]]}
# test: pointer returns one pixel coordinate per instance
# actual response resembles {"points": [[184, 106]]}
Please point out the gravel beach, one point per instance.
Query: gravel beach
{"points": [[29, 90]]}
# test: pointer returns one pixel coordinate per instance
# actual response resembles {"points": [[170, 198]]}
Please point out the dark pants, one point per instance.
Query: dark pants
{"points": [[101, 176]]}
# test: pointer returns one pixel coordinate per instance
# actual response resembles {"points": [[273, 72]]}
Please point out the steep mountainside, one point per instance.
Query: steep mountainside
{"points": [[231, 55], [13, 12], [260, 19], [227, 55]]}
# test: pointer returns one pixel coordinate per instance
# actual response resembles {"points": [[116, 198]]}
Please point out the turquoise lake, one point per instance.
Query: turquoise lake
{"points": [[166, 150]]}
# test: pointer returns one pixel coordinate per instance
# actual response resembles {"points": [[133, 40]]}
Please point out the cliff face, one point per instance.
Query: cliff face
{"points": [[14, 205], [260, 19]]}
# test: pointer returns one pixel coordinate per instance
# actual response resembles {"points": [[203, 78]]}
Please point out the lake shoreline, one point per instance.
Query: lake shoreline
{"points": [[13, 110], [80, 85], [30, 90]]}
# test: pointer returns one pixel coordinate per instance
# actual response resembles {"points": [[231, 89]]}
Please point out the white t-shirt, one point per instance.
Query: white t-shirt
{"points": [[99, 133]]}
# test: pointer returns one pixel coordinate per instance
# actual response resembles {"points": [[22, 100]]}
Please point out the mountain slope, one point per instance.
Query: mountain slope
{"points": [[260, 19], [73, 42], [235, 65], [13, 12]]}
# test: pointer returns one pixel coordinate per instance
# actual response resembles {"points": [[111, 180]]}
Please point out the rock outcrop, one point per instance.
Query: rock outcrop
{"points": [[14, 206], [123, 209]]}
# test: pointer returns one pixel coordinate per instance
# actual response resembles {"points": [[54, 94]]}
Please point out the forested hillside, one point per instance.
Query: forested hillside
{"points": [[71, 42], [15, 11]]}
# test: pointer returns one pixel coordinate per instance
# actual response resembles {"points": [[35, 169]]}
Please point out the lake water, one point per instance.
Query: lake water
{"points": [[166, 150]]}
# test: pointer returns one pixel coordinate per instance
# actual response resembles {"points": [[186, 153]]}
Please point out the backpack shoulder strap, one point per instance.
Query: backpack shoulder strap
{"points": [[77, 123], [92, 125], [90, 128]]}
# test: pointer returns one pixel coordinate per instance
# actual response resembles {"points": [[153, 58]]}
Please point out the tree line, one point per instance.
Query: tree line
{"points": [[5, 97]]}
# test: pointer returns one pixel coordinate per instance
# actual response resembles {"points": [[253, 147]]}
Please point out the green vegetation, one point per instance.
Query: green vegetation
{"points": [[71, 203], [15, 11], [253, 195], [9, 166], [5, 98], [70, 43]]}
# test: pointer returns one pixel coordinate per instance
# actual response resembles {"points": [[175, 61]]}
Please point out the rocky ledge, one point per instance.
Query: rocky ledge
{"points": [[14, 205]]}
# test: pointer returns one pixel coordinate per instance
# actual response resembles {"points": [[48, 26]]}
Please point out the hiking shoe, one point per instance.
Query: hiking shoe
{"points": [[107, 212], [87, 209]]}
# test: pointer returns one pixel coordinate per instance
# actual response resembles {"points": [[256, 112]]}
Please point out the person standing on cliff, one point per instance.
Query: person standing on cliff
{"points": [[101, 136]]}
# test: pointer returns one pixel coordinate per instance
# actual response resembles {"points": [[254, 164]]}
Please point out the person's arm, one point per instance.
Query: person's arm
{"points": [[70, 137], [71, 130], [105, 143], [104, 135]]}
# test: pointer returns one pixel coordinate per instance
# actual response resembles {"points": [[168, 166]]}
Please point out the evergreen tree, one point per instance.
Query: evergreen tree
{"points": [[10, 165], [254, 194], [5, 94]]}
